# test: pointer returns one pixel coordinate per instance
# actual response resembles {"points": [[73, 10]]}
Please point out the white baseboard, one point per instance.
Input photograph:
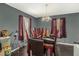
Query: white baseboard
{"points": [[65, 43]]}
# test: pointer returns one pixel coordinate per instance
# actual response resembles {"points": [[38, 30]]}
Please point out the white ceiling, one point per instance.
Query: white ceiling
{"points": [[38, 9]]}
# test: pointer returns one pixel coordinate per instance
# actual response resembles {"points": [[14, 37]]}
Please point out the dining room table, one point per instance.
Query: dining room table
{"points": [[48, 44]]}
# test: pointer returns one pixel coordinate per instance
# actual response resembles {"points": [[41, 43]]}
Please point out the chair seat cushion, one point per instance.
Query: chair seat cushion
{"points": [[48, 45]]}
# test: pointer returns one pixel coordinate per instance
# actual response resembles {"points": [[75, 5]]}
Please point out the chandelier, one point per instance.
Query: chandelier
{"points": [[46, 17]]}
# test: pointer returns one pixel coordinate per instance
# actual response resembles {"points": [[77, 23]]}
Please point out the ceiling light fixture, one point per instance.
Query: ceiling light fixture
{"points": [[46, 17]]}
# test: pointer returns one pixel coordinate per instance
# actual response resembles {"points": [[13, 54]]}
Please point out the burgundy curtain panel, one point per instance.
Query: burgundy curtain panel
{"points": [[21, 36], [42, 30], [54, 27], [30, 27], [63, 27]]}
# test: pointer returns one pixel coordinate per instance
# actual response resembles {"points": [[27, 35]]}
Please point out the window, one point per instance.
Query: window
{"points": [[23, 27], [58, 27]]}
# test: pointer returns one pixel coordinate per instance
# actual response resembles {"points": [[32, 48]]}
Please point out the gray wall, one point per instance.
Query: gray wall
{"points": [[72, 27], [9, 20], [9, 17]]}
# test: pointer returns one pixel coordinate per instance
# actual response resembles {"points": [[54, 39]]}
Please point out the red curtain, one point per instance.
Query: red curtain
{"points": [[21, 36], [63, 27], [42, 30], [30, 27], [53, 27], [35, 35], [45, 32]]}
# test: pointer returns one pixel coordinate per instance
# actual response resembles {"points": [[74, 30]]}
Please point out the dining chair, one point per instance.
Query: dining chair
{"points": [[50, 46], [37, 47]]}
